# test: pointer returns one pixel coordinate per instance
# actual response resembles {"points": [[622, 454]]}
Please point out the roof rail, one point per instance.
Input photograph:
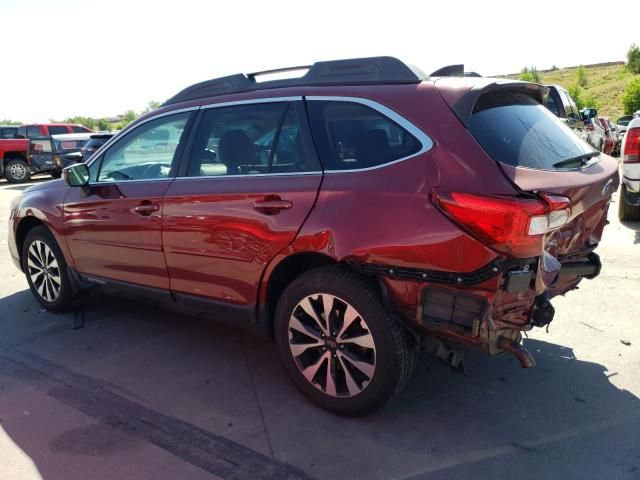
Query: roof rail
{"points": [[356, 71]]}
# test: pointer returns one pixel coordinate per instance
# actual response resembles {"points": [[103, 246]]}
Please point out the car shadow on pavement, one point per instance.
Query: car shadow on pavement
{"points": [[217, 393]]}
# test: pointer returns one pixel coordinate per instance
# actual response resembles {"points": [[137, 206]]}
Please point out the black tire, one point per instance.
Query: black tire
{"points": [[627, 212], [64, 299], [17, 171], [395, 361], [56, 174]]}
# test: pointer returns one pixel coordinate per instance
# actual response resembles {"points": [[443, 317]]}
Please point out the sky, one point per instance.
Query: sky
{"points": [[61, 58]]}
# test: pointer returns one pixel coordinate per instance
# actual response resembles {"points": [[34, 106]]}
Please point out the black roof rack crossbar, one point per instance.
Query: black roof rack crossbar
{"points": [[356, 71]]}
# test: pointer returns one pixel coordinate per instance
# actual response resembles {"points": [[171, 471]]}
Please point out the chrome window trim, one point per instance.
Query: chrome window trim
{"points": [[423, 138], [133, 126], [127, 182], [252, 175]]}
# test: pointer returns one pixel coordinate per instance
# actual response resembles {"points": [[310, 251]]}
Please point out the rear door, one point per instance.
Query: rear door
{"points": [[535, 151], [251, 179]]}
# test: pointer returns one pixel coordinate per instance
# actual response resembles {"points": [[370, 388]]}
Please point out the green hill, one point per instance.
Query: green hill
{"points": [[605, 83]]}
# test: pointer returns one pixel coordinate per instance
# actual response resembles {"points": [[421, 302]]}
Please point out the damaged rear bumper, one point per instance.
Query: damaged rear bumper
{"points": [[487, 308]]}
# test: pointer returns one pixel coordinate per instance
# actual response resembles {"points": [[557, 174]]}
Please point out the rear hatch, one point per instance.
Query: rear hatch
{"points": [[540, 155]]}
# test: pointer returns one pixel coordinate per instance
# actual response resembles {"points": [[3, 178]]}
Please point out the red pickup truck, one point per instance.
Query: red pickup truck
{"points": [[14, 160]]}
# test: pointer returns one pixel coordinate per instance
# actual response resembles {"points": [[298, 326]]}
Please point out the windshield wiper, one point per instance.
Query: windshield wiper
{"points": [[582, 159]]}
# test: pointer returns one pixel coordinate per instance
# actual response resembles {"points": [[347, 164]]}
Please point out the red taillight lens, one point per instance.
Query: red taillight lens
{"points": [[632, 146], [511, 225]]}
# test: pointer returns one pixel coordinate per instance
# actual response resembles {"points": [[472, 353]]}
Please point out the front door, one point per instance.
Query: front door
{"points": [[251, 180], [114, 227]]}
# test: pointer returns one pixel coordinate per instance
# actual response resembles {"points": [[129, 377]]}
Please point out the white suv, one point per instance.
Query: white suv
{"points": [[629, 206]]}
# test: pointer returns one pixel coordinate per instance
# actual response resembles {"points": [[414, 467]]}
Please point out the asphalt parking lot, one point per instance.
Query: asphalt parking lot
{"points": [[145, 393]]}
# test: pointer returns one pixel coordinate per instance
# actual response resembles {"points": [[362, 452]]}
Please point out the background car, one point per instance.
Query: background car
{"points": [[560, 103], [52, 154], [622, 123], [94, 143], [35, 130], [596, 134], [629, 201], [609, 138]]}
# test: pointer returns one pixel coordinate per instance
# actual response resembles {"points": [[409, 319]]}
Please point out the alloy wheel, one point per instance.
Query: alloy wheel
{"points": [[332, 345], [43, 271], [18, 171]]}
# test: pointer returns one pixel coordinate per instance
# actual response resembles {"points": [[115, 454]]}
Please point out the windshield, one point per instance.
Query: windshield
{"points": [[624, 121], [514, 129]]}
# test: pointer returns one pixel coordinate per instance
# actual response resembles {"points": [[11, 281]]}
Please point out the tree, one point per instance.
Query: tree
{"points": [[153, 105], [103, 124], [9, 122], [633, 58], [582, 99], [581, 74], [631, 97], [530, 74]]}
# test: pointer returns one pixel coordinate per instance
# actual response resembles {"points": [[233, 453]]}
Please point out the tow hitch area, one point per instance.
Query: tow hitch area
{"points": [[588, 267]]}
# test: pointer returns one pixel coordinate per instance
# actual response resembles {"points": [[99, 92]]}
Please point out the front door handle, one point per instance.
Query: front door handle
{"points": [[146, 208], [272, 205]]}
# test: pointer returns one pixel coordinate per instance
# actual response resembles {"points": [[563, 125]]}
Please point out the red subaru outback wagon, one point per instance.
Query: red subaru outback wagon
{"points": [[359, 214]]}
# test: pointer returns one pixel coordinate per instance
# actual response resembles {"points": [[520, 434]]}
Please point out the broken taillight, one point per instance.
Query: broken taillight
{"points": [[632, 146], [512, 225]]}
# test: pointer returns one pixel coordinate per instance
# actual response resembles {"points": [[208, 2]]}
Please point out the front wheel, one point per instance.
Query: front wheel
{"points": [[340, 347], [46, 270], [17, 171]]}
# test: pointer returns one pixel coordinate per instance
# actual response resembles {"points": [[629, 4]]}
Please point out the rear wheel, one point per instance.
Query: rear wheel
{"points": [[627, 212], [17, 171], [46, 270], [340, 347]]}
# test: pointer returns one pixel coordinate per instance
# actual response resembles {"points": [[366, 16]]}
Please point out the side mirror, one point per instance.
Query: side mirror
{"points": [[76, 175]]}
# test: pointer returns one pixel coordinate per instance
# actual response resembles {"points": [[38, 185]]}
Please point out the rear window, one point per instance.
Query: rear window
{"points": [[514, 129], [8, 132], [63, 145]]}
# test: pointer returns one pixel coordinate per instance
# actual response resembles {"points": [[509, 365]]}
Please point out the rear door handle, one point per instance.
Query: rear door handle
{"points": [[272, 205], [146, 208]]}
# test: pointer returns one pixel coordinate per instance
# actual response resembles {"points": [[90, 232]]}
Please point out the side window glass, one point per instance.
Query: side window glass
{"points": [[236, 140], [294, 151], [567, 106], [79, 130], [354, 136], [146, 152], [22, 132], [551, 105], [57, 129], [34, 132]]}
